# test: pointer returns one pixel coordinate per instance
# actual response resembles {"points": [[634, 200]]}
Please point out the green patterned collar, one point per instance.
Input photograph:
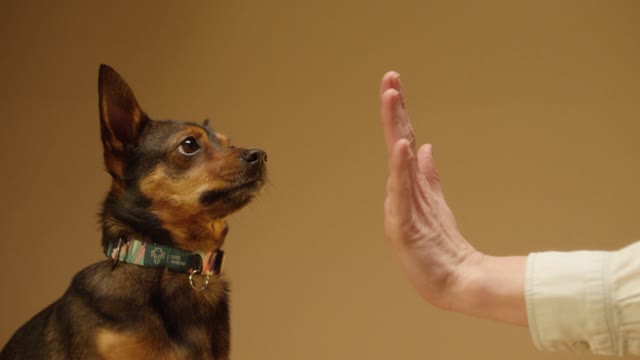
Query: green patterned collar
{"points": [[155, 255]]}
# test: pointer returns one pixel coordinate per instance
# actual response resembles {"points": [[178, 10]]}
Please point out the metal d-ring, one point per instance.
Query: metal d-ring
{"points": [[203, 286]]}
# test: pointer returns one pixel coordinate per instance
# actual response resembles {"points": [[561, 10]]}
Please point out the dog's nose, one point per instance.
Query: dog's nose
{"points": [[254, 156]]}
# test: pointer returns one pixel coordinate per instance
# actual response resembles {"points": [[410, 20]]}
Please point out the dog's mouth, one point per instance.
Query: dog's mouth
{"points": [[231, 198]]}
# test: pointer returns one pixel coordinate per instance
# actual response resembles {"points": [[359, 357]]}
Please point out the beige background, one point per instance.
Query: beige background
{"points": [[533, 108]]}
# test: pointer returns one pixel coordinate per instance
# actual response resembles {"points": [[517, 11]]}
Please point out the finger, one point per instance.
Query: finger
{"points": [[400, 189], [427, 166], [395, 120], [388, 100], [390, 80]]}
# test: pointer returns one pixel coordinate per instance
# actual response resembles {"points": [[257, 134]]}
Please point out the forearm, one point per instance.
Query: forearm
{"points": [[585, 300]]}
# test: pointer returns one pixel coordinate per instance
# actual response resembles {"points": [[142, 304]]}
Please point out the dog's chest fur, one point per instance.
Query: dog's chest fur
{"points": [[154, 313]]}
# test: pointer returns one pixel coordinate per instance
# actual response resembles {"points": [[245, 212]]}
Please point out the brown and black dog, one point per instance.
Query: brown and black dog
{"points": [[159, 294]]}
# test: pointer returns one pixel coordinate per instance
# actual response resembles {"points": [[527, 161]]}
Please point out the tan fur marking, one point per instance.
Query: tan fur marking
{"points": [[137, 116], [114, 345], [176, 203], [223, 139]]}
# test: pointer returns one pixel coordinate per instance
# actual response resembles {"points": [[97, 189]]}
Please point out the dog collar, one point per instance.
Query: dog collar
{"points": [[155, 255]]}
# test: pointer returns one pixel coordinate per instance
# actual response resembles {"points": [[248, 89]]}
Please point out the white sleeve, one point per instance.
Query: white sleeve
{"points": [[585, 301]]}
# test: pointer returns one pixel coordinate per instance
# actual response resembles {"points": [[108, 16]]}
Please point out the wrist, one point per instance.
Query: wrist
{"points": [[491, 287]]}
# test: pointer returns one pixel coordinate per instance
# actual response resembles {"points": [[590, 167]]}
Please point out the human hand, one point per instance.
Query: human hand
{"points": [[444, 268], [418, 223]]}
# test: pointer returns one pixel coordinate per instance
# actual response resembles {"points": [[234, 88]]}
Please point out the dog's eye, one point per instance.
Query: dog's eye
{"points": [[189, 146]]}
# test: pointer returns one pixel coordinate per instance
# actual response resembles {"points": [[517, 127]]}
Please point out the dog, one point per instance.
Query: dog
{"points": [[159, 294]]}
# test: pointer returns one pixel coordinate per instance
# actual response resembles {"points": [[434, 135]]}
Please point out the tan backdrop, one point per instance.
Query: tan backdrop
{"points": [[533, 108]]}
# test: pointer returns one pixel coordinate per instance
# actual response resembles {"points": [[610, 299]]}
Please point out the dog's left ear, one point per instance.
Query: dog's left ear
{"points": [[121, 119]]}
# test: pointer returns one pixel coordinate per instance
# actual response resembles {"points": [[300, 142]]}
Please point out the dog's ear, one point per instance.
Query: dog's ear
{"points": [[121, 119]]}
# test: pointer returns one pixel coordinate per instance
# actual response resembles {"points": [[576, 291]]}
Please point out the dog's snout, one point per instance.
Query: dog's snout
{"points": [[254, 156]]}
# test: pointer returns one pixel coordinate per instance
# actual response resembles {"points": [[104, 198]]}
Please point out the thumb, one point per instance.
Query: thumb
{"points": [[427, 167]]}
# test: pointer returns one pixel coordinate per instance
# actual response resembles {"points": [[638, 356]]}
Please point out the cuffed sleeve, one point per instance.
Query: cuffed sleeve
{"points": [[585, 301]]}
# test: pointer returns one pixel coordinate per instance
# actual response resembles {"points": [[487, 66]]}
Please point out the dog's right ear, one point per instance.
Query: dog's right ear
{"points": [[121, 119]]}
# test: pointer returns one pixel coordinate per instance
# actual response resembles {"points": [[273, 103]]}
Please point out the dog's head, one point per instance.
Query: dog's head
{"points": [[174, 181]]}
